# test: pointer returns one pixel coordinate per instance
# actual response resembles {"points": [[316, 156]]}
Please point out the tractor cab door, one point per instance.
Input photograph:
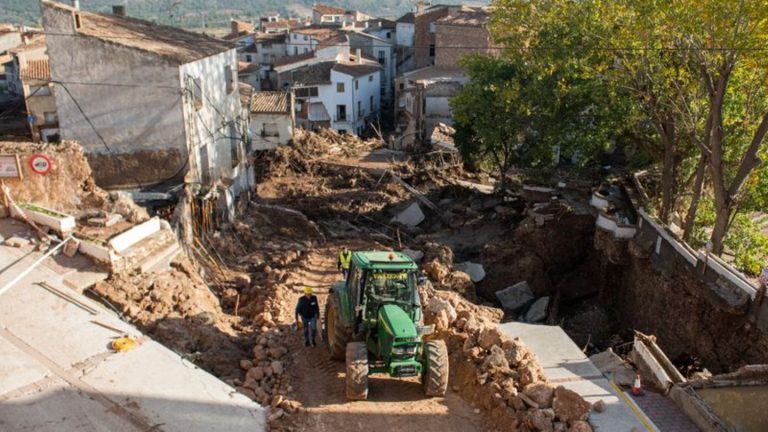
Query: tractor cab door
{"points": [[354, 288]]}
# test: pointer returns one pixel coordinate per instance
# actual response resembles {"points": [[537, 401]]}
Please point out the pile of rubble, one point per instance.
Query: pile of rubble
{"points": [[499, 373]]}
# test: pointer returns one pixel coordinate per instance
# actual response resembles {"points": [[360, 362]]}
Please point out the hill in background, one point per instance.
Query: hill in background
{"points": [[206, 13]]}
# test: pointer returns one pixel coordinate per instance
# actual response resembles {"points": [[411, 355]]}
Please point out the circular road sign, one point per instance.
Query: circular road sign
{"points": [[40, 164]]}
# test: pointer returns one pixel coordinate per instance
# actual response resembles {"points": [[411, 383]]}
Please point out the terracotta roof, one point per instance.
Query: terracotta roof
{"points": [[466, 17], [314, 74], [282, 61], [36, 70], [328, 10], [271, 102], [356, 70], [246, 68], [408, 18], [270, 37], [34, 40], [246, 93], [334, 40], [286, 23], [319, 32], [172, 43]]}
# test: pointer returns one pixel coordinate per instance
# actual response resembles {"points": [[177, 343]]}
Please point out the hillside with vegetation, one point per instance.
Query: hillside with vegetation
{"points": [[205, 13]]}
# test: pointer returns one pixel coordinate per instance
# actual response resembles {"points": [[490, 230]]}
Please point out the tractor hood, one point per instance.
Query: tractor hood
{"points": [[396, 322]]}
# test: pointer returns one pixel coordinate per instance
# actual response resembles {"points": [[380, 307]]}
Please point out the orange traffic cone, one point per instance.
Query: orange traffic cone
{"points": [[637, 387]]}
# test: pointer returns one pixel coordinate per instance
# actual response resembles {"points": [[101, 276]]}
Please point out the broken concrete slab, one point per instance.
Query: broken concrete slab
{"points": [[614, 368], [411, 216], [416, 255], [514, 298], [106, 221], [538, 310], [475, 271]]}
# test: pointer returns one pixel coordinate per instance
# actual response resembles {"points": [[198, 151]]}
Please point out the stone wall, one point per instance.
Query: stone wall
{"points": [[453, 42]]}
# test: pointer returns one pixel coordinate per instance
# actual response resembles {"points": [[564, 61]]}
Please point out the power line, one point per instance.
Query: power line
{"points": [[476, 47]]}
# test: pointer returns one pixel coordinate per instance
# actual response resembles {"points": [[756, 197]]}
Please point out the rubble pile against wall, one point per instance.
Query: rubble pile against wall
{"points": [[69, 186]]}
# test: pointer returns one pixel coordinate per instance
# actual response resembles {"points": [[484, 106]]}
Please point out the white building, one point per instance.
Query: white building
{"points": [[332, 15], [272, 119], [160, 108], [342, 95], [382, 51], [405, 28]]}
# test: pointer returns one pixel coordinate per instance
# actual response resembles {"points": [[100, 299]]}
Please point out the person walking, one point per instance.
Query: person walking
{"points": [[345, 258], [308, 309]]}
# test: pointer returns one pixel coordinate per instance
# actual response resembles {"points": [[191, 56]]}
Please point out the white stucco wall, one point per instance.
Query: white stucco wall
{"points": [[355, 119], [284, 124], [133, 100], [404, 34], [208, 130], [372, 46]]}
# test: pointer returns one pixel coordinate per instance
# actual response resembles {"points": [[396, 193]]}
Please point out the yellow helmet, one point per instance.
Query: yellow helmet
{"points": [[307, 290]]}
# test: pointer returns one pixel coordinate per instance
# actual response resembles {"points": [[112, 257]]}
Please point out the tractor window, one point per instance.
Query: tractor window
{"points": [[391, 286]]}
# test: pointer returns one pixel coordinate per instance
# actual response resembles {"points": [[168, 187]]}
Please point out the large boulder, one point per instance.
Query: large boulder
{"points": [[541, 393], [569, 406], [437, 306], [459, 282], [538, 311], [516, 297], [411, 216], [475, 271]]}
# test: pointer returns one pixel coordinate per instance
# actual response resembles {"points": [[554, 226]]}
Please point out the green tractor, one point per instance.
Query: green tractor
{"points": [[373, 321]]}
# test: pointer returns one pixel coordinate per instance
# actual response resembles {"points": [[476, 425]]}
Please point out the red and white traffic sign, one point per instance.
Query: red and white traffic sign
{"points": [[40, 164]]}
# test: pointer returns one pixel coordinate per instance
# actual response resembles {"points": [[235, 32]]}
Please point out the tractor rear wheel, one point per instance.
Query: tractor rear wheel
{"points": [[435, 368], [336, 333], [357, 371]]}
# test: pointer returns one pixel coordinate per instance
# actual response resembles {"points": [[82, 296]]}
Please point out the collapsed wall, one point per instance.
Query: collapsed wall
{"points": [[663, 296]]}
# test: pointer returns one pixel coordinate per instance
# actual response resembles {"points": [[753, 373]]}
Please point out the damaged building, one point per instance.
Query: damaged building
{"points": [[151, 105]]}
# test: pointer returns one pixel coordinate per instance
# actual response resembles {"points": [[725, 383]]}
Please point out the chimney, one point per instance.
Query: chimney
{"points": [[76, 4], [118, 10], [358, 56], [234, 27], [419, 7]]}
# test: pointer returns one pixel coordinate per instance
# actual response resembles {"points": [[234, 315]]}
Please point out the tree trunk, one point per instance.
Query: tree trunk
{"points": [[698, 185], [668, 174], [720, 228]]}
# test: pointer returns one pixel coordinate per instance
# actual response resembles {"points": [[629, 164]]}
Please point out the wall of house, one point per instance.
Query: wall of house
{"points": [[404, 34], [424, 35], [452, 42], [130, 98], [215, 129], [297, 43], [9, 40], [372, 46], [40, 100], [355, 121], [284, 124], [269, 52]]}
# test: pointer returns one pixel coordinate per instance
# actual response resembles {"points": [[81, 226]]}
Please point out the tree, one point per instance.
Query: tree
{"points": [[537, 95]]}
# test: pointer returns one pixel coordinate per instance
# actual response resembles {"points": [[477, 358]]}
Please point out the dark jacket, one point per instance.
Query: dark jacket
{"points": [[308, 307]]}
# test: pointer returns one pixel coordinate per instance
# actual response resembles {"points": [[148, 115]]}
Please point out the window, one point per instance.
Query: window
{"points": [[50, 117], [297, 107], [340, 87], [370, 78], [306, 92], [229, 77], [39, 91], [306, 38], [342, 131], [295, 36], [270, 130], [234, 144], [432, 27], [295, 50], [248, 58], [197, 93], [432, 50], [77, 21], [359, 108], [356, 86], [382, 57], [372, 104], [389, 35], [306, 50], [341, 113]]}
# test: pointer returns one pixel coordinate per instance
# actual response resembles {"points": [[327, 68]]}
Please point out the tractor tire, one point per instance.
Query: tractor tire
{"points": [[435, 368], [357, 371], [337, 335]]}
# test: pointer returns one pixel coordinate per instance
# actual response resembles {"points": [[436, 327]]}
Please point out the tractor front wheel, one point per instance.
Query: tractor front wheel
{"points": [[336, 334], [435, 369], [357, 371]]}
